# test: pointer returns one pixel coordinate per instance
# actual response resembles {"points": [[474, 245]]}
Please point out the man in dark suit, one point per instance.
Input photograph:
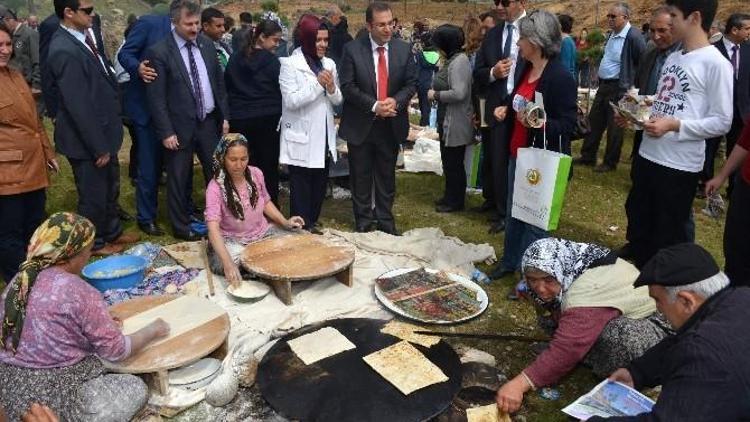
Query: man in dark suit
{"points": [[735, 47], [378, 79], [188, 105], [496, 60], [147, 31], [47, 30], [88, 129]]}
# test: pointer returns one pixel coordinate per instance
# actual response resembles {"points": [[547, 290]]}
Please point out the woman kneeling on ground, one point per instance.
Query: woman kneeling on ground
{"points": [[55, 327], [237, 205], [585, 296]]}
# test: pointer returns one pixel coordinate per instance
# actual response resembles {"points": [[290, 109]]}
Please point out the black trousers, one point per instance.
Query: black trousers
{"points": [[307, 190], [658, 207], [373, 164], [485, 170], [497, 153], [264, 144], [454, 173], [20, 215], [98, 193], [737, 233], [424, 106], [133, 154], [712, 147], [601, 118], [180, 170]]}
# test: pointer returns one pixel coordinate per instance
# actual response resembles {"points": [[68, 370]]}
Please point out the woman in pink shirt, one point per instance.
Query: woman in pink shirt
{"points": [[56, 328], [237, 205]]}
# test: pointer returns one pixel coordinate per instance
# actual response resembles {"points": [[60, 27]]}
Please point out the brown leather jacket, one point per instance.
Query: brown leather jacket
{"points": [[24, 146]]}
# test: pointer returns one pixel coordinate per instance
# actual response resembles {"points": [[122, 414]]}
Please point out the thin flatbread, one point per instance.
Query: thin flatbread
{"points": [[405, 367], [319, 345], [405, 331], [489, 413], [182, 314]]}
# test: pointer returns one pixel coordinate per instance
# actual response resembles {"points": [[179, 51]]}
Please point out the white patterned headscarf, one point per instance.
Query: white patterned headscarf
{"points": [[564, 260], [272, 16]]}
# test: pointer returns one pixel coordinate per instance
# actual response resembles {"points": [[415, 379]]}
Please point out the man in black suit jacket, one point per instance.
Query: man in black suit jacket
{"points": [[496, 60], [188, 105], [88, 129], [735, 39], [375, 119], [47, 30]]}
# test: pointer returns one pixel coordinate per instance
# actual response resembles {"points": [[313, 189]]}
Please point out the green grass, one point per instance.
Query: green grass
{"points": [[593, 205]]}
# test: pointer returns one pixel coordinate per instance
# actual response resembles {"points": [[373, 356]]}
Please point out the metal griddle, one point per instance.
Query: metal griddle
{"points": [[344, 388]]}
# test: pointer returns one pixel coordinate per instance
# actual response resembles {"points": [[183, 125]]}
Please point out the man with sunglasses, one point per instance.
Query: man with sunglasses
{"points": [[496, 72], [617, 70], [88, 128]]}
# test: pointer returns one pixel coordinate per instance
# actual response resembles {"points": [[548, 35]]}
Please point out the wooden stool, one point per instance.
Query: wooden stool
{"points": [[285, 259], [154, 362]]}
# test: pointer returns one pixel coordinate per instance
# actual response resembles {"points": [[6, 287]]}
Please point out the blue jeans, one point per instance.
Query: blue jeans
{"points": [[518, 235]]}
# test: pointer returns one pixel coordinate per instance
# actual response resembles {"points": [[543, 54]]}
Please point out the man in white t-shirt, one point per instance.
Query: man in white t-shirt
{"points": [[693, 102]]}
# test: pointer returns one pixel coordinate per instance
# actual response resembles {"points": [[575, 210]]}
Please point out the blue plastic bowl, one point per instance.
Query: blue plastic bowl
{"points": [[116, 272]]}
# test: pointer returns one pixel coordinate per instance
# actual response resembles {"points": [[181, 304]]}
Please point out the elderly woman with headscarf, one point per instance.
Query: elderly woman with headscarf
{"points": [[585, 295], [543, 73], [237, 205], [309, 91], [451, 89], [56, 328]]}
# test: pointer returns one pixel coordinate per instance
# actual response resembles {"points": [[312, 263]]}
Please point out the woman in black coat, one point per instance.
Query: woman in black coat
{"points": [[539, 46], [252, 80]]}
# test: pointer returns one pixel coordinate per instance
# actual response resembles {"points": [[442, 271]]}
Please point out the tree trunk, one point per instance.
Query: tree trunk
{"points": [[31, 7]]}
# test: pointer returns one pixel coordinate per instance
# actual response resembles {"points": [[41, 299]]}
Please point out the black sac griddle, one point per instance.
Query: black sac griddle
{"points": [[344, 388]]}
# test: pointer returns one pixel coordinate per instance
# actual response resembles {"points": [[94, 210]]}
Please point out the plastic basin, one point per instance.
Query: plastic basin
{"points": [[115, 272]]}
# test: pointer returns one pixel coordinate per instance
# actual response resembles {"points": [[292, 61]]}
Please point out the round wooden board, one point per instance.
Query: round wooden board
{"points": [[296, 258], [182, 350]]}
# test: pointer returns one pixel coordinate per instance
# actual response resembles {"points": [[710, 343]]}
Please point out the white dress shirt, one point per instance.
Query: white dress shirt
{"points": [[511, 83]]}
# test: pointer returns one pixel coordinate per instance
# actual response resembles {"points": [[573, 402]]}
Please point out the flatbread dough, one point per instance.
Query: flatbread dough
{"points": [[319, 345], [405, 331], [405, 367], [489, 413], [182, 314]]}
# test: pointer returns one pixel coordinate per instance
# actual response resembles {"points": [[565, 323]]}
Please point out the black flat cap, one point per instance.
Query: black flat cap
{"points": [[678, 265]]}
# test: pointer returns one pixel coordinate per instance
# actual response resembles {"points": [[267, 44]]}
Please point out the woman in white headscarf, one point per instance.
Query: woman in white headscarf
{"points": [[585, 296]]}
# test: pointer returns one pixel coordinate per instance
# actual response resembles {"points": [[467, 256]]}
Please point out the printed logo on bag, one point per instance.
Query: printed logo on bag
{"points": [[533, 176]]}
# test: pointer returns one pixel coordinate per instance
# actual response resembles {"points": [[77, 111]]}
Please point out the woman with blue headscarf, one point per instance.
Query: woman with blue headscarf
{"points": [[584, 295]]}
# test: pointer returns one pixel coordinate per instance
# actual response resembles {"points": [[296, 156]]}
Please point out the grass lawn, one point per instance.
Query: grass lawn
{"points": [[593, 212]]}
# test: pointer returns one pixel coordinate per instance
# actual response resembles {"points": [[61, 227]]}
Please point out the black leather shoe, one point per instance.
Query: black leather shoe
{"points": [[625, 252], [389, 230], [485, 207], [151, 229], [580, 161], [447, 208], [365, 228], [499, 272], [189, 236], [497, 227], [124, 216]]}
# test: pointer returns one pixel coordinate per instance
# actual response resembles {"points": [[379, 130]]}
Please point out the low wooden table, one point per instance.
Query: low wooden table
{"points": [[286, 259], [184, 349]]}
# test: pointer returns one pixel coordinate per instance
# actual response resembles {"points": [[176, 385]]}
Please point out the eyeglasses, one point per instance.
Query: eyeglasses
{"points": [[87, 10], [506, 3], [611, 16]]}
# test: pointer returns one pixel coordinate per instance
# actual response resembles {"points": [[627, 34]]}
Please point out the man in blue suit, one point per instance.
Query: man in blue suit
{"points": [[147, 31]]}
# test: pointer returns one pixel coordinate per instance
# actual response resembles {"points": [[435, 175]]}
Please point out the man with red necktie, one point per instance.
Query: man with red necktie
{"points": [[378, 79]]}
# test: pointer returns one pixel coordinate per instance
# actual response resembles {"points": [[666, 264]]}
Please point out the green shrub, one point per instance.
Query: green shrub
{"points": [[269, 5], [160, 9]]}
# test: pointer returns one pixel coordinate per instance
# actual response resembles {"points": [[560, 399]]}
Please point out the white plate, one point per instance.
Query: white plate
{"points": [[197, 371], [481, 296], [249, 289]]}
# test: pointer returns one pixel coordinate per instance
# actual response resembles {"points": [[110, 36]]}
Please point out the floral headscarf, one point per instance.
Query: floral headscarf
{"points": [[565, 260], [61, 237], [234, 202], [272, 16]]}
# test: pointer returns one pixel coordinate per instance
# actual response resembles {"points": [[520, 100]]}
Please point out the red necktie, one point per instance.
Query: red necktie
{"points": [[382, 75]]}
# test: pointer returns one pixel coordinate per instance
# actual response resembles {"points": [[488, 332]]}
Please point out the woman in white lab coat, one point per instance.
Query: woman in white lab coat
{"points": [[309, 90]]}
